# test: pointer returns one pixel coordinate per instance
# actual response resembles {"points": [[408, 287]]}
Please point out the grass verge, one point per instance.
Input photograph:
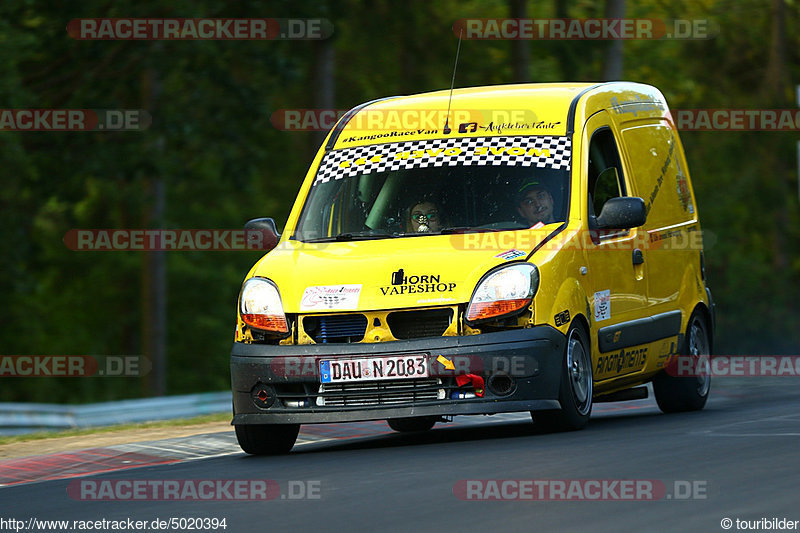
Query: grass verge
{"points": [[39, 435]]}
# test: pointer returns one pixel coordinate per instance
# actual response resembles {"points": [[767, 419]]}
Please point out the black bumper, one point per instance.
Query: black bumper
{"points": [[521, 369]]}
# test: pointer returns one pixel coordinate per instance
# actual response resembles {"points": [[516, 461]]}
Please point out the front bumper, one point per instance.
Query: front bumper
{"points": [[529, 359]]}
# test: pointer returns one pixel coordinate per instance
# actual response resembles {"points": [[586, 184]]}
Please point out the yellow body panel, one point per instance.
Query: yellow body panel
{"points": [[447, 274]]}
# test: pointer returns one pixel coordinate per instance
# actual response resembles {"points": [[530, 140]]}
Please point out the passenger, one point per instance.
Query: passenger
{"points": [[424, 217], [535, 203]]}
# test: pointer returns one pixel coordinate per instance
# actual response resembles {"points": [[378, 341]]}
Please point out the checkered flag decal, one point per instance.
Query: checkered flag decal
{"points": [[553, 152]]}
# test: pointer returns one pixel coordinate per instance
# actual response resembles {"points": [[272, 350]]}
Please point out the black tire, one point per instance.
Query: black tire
{"points": [[408, 425], [267, 439], [575, 389], [676, 394]]}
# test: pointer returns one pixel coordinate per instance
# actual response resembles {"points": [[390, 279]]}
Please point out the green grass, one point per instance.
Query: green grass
{"points": [[39, 435]]}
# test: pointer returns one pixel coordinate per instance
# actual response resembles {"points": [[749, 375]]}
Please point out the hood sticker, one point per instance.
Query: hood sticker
{"points": [[508, 255], [402, 284], [526, 151], [325, 297]]}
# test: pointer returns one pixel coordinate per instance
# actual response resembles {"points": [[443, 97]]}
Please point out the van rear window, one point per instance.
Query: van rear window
{"points": [[660, 178]]}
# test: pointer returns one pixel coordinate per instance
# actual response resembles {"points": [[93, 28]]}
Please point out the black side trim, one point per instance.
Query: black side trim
{"points": [[636, 393], [639, 331], [337, 130], [573, 106]]}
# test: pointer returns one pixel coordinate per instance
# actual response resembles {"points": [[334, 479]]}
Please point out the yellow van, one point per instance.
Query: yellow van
{"points": [[531, 247]]}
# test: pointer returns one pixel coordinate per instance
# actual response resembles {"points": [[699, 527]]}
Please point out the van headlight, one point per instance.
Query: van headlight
{"points": [[503, 292], [260, 306]]}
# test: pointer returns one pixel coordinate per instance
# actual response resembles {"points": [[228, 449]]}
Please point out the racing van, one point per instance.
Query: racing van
{"points": [[536, 249]]}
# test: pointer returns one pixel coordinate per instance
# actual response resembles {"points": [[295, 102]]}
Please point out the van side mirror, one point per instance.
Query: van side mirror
{"points": [[261, 234], [623, 212]]}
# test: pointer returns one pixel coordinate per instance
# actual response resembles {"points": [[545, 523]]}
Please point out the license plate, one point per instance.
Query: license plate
{"points": [[373, 368]]}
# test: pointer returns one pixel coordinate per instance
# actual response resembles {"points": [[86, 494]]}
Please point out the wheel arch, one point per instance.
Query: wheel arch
{"points": [[703, 309], [584, 322]]}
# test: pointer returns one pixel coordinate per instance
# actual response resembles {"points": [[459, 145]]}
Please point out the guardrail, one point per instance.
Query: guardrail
{"points": [[19, 418]]}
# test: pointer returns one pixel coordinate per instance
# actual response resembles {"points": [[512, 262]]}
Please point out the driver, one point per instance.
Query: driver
{"points": [[535, 203], [424, 217]]}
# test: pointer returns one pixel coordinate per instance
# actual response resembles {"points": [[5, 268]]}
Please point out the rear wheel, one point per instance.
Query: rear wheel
{"points": [[575, 388], [676, 394], [407, 425], [267, 439]]}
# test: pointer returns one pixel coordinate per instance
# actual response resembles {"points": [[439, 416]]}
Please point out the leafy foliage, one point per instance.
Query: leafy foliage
{"points": [[212, 145]]}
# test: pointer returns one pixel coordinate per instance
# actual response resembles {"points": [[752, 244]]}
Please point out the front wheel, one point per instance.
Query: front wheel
{"points": [[267, 439], [675, 394], [575, 388]]}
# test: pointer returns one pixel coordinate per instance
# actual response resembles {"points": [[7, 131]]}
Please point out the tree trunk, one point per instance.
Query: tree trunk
{"points": [[615, 9], [520, 48], [567, 51], [775, 79], [323, 82], [154, 274], [775, 92]]}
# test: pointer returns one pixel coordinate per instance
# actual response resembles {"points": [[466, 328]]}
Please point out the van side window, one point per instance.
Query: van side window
{"points": [[604, 183]]}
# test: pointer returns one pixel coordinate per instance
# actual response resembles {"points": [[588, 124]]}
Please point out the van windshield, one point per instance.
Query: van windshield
{"points": [[421, 188]]}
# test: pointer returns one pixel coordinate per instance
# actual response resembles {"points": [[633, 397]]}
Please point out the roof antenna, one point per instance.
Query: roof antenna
{"points": [[447, 129]]}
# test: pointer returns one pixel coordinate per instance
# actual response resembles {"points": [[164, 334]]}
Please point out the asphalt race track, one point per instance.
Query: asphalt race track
{"points": [[741, 454]]}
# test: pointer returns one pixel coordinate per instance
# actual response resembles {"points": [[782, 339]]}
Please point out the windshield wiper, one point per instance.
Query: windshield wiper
{"points": [[361, 236], [497, 226], [357, 236], [465, 229]]}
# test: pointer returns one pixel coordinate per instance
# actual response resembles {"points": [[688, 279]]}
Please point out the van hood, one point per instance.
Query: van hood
{"points": [[384, 274]]}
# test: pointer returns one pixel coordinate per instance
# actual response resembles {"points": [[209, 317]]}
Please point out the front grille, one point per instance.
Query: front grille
{"points": [[416, 324], [336, 328], [389, 392]]}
